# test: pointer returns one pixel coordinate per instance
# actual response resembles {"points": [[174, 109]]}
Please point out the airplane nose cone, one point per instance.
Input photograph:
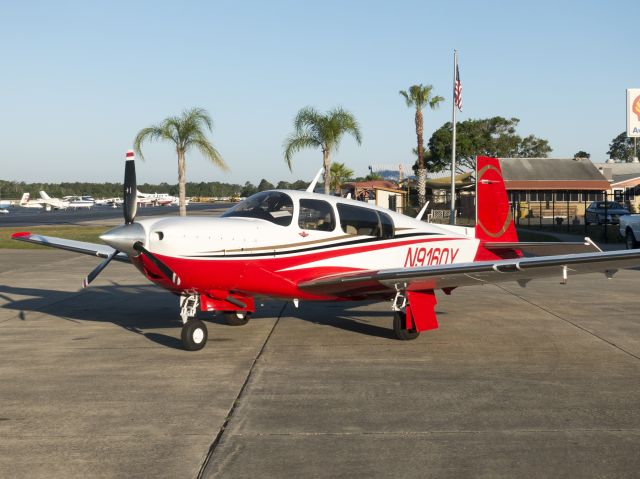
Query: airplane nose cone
{"points": [[124, 237]]}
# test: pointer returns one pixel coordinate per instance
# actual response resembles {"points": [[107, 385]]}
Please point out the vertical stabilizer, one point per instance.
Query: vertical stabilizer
{"points": [[494, 221], [25, 199], [44, 195]]}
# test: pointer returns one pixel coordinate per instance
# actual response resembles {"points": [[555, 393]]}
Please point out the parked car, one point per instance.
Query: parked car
{"points": [[630, 230], [599, 211]]}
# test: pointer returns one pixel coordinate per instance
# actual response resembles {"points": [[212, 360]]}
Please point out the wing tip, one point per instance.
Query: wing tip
{"points": [[20, 235]]}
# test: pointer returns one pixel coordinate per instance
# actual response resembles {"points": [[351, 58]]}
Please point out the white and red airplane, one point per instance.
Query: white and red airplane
{"points": [[306, 246]]}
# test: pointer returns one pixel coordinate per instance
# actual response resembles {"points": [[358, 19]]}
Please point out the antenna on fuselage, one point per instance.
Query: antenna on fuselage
{"points": [[315, 181], [424, 208]]}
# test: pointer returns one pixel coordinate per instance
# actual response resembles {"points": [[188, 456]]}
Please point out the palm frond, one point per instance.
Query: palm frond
{"points": [[297, 142], [146, 134], [434, 102], [208, 151], [307, 118], [407, 98]]}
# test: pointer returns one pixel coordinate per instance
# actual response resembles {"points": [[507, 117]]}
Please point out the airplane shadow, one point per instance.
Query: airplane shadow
{"points": [[136, 308], [143, 309], [349, 316]]}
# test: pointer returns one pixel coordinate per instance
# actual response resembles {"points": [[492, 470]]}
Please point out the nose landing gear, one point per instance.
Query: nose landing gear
{"points": [[194, 335], [194, 332]]}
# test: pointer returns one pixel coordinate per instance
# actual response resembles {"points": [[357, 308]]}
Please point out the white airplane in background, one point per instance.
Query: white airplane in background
{"points": [[299, 245], [25, 202], [77, 202], [52, 203], [155, 199]]}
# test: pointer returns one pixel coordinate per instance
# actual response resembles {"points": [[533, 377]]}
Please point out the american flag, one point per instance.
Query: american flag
{"points": [[457, 90]]}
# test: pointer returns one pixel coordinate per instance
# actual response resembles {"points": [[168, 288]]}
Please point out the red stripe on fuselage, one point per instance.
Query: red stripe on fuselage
{"points": [[264, 275]]}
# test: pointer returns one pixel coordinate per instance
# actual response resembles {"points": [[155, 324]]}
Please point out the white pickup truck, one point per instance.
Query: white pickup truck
{"points": [[630, 230]]}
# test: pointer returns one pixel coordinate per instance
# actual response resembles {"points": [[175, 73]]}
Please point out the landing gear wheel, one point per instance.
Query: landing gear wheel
{"points": [[236, 318], [400, 328], [194, 335], [630, 240]]}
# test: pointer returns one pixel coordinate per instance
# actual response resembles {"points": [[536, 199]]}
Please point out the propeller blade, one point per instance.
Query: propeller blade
{"points": [[168, 272], [98, 269], [130, 205]]}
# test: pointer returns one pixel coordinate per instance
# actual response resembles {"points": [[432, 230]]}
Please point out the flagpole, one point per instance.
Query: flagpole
{"points": [[452, 212]]}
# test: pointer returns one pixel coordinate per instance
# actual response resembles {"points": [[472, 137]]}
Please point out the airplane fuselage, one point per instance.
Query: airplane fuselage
{"points": [[248, 255]]}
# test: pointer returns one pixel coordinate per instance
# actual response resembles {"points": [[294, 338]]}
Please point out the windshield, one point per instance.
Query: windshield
{"points": [[271, 206]]}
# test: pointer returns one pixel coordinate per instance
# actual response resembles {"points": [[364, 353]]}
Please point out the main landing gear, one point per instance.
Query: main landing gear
{"points": [[400, 329], [236, 318]]}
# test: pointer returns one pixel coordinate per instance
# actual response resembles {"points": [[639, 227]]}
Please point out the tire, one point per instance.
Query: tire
{"points": [[399, 327], [630, 239], [194, 335], [236, 318]]}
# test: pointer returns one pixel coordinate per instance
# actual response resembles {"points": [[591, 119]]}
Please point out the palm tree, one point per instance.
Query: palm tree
{"points": [[185, 131], [316, 130], [420, 96], [339, 174]]}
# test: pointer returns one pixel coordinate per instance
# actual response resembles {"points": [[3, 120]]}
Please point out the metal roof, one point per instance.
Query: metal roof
{"points": [[552, 174]]}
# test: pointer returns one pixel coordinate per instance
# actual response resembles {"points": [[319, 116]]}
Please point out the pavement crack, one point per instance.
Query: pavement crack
{"points": [[223, 428], [575, 325]]}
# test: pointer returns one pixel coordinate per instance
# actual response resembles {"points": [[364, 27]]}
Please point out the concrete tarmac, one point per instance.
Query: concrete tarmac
{"points": [[542, 381]]}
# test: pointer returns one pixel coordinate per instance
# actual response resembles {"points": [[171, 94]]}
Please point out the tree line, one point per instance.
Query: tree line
{"points": [[14, 189]]}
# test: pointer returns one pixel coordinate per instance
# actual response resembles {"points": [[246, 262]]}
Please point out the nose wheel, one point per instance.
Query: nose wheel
{"points": [[194, 335]]}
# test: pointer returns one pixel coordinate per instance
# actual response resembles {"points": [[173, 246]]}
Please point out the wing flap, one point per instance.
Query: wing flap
{"points": [[543, 248], [467, 274], [92, 249]]}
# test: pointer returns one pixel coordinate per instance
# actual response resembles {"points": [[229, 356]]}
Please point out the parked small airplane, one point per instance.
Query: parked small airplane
{"points": [[78, 202], [25, 202], [52, 203], [306, 246], [156, 199]]}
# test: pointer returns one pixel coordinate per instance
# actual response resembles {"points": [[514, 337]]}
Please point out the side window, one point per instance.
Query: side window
{"points": [[387, 225], [358, 221], [316, 215], [365, 222]]}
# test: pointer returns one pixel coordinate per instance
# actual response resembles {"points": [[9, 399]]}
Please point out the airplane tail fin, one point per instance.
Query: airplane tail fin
{"points": [[44, 195], [494, 220], [24, 199]]}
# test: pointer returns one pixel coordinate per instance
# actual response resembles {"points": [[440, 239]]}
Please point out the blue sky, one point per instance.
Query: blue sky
{"points": [[81, 78]]}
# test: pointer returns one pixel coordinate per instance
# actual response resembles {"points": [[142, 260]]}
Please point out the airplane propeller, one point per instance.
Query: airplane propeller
{"points": [[130, 205], [130, 236]]}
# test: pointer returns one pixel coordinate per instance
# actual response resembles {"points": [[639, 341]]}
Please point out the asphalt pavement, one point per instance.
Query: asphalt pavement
{"points": [[541, 381]]}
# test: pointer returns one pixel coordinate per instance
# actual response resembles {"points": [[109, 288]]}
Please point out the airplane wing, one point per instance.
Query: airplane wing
{"points": [[93, 249], [446, 276]]}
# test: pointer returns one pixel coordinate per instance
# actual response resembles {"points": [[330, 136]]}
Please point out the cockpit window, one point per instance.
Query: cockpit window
{"points": [[316, 215], [272, 206]]}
